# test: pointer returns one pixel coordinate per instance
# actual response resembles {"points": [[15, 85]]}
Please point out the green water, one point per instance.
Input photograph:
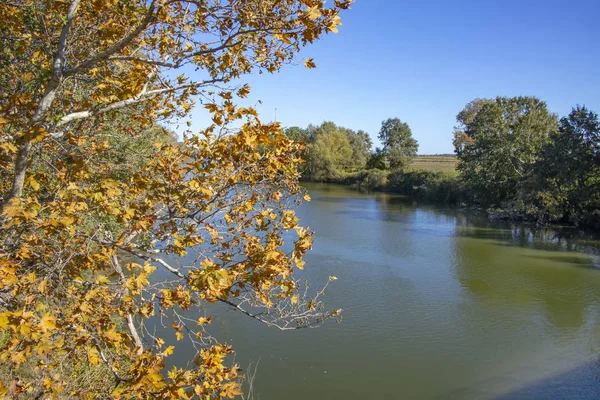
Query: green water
{"points": [[438, 304]]}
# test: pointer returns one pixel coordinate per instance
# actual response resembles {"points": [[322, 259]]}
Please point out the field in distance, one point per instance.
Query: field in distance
{"points": [[443, 163]]}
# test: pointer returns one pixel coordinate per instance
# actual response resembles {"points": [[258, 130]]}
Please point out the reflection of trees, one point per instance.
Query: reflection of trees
{"points": [[518, 266], [529, 235]]}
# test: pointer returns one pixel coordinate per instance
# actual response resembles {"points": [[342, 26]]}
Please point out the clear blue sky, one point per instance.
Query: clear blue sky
{"points": [[422, 61]]}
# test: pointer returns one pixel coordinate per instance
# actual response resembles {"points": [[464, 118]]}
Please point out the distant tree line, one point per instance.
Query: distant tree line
{"points": [[515, 158], [334, 152]]}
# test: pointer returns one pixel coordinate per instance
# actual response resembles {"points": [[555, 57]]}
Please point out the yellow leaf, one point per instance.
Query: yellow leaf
{"points": [[314, 12], [18, 358], [335, 22], [4, 320], [93, 356], [101, 280], [13, 208], [310, 63], [35, 185], [232, 389], [43, 286], [48, 322]]}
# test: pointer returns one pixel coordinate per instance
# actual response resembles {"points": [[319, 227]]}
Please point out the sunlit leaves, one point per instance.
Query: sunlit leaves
{"points": [[310, 63], [106, 194]]}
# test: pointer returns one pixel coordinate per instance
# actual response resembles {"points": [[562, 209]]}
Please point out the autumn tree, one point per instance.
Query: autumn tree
{"points": [[398, 145], [501, 141], [81, 236]]}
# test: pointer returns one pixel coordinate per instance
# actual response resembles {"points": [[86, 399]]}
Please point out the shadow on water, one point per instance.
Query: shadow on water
{"points": [[585, 262], [580, 383]]}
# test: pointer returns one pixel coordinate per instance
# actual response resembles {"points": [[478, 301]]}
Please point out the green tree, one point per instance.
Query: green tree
{"points": [[569, 173], [502, 142], [361, 143], [330, 155], [297, 133], [464, 118], [333, 150], [399, 147]]}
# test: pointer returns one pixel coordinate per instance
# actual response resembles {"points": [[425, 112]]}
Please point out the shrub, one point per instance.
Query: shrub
{"points": [[373, 179]]}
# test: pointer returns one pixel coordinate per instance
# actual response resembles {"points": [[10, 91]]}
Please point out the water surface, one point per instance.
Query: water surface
{"points": [[438, 304]]}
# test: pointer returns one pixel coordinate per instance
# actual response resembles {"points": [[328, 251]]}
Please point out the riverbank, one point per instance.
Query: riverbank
{"points": [[448, 188]]}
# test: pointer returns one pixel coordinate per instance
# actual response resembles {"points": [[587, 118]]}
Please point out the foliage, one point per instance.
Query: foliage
{"points": [[329, 155], [331, 151], [568, 176], [297, 133], [502, 140], [464, 119], [77, 201], [428, 185], [361, 143], [373, 179], [399, 147]]}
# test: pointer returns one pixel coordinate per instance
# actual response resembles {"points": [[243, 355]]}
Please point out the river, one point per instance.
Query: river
{"points": [[438, 304]]}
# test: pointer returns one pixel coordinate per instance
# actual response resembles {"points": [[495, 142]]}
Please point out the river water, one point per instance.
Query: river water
{"points": [[438, 304]]}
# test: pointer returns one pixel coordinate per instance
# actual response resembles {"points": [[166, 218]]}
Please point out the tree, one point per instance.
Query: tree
{"points": [[330, 155], [332, 150], [297, 133], [72, 214], [502, 141], [399, 147], [568, 175], [361, 143], [464, 118]]}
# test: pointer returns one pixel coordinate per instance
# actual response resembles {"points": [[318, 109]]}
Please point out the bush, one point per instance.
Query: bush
{"points": [[429, 185], [373, 179]]}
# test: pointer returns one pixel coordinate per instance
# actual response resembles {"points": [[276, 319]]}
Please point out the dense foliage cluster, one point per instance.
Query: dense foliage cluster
{"points": [[334, 153], [514, 155], [96, 193]]}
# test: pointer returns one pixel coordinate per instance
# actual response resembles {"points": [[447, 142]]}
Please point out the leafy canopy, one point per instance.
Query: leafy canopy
{"points": [[499, 142], [399, 147]]}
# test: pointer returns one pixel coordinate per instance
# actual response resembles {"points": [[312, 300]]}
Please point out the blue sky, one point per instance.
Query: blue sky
{"points": [[422, 61]]}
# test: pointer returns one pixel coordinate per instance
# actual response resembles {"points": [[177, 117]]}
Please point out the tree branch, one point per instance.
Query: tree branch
{"points": [[45, 102], [130, 323], [143, 96], [119, 46]]}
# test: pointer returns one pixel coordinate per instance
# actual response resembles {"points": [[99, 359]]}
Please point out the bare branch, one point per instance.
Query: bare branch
{"points": [[130, 323], [144, 60]]}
